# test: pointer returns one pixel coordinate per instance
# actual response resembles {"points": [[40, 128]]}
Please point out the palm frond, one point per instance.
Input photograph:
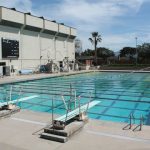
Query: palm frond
{"points": [[94, 34], [99, 36], [91, 40], [99, 39]]}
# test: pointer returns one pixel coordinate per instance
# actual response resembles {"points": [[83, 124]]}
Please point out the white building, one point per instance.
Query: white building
{"points": [[28, 41]]}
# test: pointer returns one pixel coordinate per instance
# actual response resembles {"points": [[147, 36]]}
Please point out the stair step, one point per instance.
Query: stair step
{"points": [[56, 132], [53, 137], [68, 131]]}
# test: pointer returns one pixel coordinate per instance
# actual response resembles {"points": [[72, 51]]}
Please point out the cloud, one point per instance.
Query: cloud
{"points": [[118, 41], [87, 16], [22, 5], [92, 15], [85, 11]]}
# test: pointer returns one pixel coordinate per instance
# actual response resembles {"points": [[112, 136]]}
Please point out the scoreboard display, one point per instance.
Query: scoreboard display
{"points": [[10, 48]]}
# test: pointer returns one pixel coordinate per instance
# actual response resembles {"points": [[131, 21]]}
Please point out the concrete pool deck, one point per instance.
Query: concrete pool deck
{"points": [[17, 134], [19, 78], [17, 131]]}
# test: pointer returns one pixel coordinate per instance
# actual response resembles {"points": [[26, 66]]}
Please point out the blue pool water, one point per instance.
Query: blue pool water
{"points": [[120, 94]]}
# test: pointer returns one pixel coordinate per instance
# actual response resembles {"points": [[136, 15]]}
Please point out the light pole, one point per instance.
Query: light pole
{"points": [[136, 50]]}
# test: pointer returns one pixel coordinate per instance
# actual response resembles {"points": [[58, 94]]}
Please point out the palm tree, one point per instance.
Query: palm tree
{"points": [[96, 38]]}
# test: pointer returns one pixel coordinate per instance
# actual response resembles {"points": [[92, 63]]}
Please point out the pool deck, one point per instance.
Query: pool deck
{"points": [[17, 134], [17, 130], [19, 78]]}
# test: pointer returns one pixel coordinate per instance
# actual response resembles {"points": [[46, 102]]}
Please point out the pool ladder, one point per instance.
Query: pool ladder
{"points": [[132, 122]]}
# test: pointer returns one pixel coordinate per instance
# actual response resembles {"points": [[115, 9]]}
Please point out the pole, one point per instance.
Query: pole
{"points": [[136, 50], [70, 107], [10, 98], [88, 103], [79, 106], [52, 113], [130, 122], [75, 99], [95, 52], [141, 122]]}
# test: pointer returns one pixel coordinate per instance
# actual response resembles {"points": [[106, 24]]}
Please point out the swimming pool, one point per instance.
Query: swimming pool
{"points": [[120, 94]]}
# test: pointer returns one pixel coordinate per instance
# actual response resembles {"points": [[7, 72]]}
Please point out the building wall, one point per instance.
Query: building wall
{"points": [[39, 40], [47, 48], [71, 47], [9, 33], [30, 49], [61, 50], [33, 45]]}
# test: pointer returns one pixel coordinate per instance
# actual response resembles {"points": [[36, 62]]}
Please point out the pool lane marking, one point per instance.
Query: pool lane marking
{"points": [[29, 121], [119, 136], [19, 100]]}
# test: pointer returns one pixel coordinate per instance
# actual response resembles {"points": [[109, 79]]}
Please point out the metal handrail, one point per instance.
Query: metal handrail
{"points": [[141, 122], [132, 119], [10, 93], [67, 114], [64, 102], [75, 99], [88, 103], [79, 105], [19, 95]]}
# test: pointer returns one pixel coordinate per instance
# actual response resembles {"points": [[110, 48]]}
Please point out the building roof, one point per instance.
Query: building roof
{"points": [[42, 17]]}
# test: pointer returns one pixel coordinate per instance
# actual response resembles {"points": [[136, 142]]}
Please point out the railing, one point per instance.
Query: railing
{"points": [[8, 95], [141, 122], [132, 122]]}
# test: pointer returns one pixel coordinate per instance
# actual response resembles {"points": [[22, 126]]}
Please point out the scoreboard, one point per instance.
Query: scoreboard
{"points": [[10, 48]]}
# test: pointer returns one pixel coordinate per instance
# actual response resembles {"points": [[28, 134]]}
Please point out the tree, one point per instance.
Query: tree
{"points": [[144, 52], [96, 38], [128, 52], [88, 52], [104, 52]]}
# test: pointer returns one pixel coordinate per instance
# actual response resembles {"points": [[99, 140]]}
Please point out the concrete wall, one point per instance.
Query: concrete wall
{"points": [[13, 16], [48, 25], [33, 21], [50, 42], [73, 31], [64, 29], [47, 47], [71, 47]]}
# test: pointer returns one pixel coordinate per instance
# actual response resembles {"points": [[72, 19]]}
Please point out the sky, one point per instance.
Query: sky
{"points": [[117, 21]]}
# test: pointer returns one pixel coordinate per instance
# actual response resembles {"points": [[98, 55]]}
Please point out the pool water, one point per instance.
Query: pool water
{"points": [[120, 94]]}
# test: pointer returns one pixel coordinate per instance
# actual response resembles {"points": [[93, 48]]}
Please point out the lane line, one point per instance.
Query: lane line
{"points": [[29, 121], [119, 136]]}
